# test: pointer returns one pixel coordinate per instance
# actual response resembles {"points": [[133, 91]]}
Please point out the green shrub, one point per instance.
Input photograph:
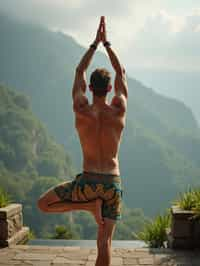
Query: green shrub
{"points": [[64, 232], [4, 198], [196, 207], [31, 235], [186, 200], [154, 232], [190, 200]]}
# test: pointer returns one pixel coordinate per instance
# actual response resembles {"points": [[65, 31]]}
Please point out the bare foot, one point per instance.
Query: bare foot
{"points": [[97, 212]]}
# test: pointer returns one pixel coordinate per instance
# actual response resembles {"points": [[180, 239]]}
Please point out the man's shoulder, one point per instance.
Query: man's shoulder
{"points": [[80, 103], [119, 104]]}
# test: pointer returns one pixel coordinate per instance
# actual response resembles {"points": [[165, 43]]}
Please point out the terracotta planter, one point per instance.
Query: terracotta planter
{"points": [[184, 231], [11, 225]]}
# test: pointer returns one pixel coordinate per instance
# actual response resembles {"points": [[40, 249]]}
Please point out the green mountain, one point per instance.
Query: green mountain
{"points": [[159, 153], [27, 156]]}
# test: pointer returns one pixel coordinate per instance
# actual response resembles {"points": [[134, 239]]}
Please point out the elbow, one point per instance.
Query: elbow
{"points": [[79, 70], [126, 93], [123, 70]]}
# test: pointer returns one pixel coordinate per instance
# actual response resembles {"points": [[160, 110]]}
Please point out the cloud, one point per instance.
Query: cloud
{"points": [[66, 13], [168, 42], [80, 18], [146, 34], [76, 14]]}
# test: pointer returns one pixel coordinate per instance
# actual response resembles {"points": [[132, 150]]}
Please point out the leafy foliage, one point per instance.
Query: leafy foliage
{"points": [[190, 200], [65, 232], [186, 200], [154, 233]]}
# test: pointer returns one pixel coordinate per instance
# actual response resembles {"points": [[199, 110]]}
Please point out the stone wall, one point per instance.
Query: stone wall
{"points": [[11, 225]]}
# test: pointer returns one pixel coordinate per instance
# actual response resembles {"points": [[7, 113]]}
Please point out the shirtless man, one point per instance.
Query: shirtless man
{"points": [[98, 188]]}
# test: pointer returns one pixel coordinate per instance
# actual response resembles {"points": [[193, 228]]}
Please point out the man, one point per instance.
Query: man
{"points": [[98, 188]]}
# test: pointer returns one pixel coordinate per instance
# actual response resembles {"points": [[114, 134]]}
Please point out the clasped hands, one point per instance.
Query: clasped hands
{"points": [[101, 32]]}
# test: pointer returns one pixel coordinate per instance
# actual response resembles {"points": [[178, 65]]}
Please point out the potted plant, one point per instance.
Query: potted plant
{"points": [[11, 222], [185, 225]]}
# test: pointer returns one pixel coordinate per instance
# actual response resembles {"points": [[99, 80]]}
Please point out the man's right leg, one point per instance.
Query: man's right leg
{"points": [[104, 241], [50, 202]]}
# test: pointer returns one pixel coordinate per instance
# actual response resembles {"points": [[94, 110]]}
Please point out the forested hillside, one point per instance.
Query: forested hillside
{"points": [[27, 156], [160, 149]]}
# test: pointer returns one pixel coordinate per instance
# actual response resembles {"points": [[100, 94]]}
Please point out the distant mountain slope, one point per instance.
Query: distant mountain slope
{"points": [[159, 152], [180, 85]]}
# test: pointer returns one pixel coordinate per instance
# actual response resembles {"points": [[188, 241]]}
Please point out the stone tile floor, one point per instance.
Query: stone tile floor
{"points": [[22, 255]]}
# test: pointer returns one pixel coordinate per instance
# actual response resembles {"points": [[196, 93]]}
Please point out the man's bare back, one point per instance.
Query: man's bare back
{"points": [[100, 129]]}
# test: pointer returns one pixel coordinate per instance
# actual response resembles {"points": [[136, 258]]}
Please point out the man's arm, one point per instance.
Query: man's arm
{"points": [[80, 84], [120, 77], [121, 87]]}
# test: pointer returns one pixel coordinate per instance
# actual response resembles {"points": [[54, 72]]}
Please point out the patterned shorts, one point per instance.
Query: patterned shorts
{"points": [[89, 186]]}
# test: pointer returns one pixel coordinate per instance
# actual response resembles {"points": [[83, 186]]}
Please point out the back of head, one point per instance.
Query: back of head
{"points": [[99, 81]]}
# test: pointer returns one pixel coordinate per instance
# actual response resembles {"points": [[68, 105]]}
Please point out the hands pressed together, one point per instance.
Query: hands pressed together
{"points": [[101, 32]]}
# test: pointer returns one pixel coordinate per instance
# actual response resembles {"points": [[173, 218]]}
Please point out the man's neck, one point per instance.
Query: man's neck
{"points": [[99, 100]]}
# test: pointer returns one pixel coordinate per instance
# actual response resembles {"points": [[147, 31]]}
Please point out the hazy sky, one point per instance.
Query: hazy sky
{"points": [[156, 34]]}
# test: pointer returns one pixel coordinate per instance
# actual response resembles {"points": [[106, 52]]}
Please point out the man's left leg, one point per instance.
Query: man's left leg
{"points": [[111, 211], [104, 242]]}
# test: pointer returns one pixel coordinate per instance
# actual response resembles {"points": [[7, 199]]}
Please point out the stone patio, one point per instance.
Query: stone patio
{"points": [[24, 255]]}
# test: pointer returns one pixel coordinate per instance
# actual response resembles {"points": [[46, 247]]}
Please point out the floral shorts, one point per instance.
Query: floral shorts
{"points": [[89, 186]]}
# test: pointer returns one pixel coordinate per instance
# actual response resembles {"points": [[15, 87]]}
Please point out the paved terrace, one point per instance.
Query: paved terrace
{"points": [[23, 255]]}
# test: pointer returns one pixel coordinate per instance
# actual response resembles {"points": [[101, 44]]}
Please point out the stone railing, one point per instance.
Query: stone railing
{"points": [[11, 226]]}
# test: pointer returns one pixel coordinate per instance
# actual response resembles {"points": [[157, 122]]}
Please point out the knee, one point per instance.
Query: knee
{"points": [[42, 205], [104, 243]]}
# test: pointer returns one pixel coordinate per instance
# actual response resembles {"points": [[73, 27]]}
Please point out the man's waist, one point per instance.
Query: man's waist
{"points": [[102, 177], [108, 166]]}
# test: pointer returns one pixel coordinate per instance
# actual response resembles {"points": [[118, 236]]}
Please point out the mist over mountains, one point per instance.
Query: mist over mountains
{"points": [[160, 150], [179, 85]]}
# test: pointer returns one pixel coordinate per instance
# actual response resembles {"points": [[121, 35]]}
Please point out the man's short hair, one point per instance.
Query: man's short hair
{"points": [[99, 80]]}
